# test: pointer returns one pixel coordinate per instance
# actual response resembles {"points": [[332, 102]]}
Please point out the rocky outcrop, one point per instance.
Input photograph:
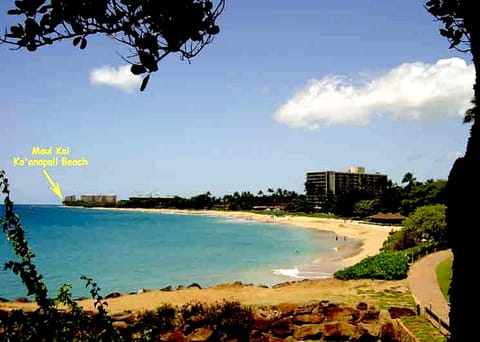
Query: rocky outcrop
{"points": [[321, 321]]}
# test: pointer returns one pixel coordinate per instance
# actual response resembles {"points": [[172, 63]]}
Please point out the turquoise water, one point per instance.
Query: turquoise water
{"points": [[125, 251]]}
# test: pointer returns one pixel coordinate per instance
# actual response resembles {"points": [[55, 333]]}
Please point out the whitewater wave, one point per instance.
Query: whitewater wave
{"points": [[301, 274]]}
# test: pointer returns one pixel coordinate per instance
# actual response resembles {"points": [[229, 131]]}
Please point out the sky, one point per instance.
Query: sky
{"points": [[286, 87]]}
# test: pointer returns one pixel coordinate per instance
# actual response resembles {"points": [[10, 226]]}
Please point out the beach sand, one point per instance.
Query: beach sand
{"points": [[350, 292]]}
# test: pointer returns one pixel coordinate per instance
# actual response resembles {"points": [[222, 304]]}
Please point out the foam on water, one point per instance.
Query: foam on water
{"points": [[297, 273]]}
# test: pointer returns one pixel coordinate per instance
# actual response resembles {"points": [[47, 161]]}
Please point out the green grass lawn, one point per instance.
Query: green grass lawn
{"points": [[444, 276], [422, 329]]}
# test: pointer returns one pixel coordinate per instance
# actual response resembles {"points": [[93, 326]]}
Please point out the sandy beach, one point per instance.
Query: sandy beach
{"points": [[350, 292]]}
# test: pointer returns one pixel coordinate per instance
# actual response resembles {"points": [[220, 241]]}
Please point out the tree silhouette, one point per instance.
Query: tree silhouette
{"points": [[151, 29], [461, 28]]}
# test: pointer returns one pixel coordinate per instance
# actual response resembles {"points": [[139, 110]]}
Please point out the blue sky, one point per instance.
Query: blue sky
{"points": [[286, 87]]}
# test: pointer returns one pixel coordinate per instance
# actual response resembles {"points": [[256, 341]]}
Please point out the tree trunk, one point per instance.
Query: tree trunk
{"points": [[463, 189]]}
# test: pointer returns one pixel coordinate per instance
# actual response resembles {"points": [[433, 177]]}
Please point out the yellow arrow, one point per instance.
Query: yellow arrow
{"points": [[54, 185]]}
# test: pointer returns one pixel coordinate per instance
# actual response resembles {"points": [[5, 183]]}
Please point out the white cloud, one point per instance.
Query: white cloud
{"points": [[120, 77], [408, 91]]}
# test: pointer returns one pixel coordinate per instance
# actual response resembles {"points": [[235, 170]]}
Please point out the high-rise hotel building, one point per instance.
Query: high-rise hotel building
{"points": [[321, 183]]}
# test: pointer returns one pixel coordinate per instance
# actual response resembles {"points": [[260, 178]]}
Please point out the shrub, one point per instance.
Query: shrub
{"points": [[229, 319], [153, 323], [386, 265]]}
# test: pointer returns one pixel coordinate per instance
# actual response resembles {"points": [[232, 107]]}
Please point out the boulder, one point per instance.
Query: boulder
{"points": [[262, 323], [22, 300], [400, 312], [286, 309], [362, 306], [113, 295], [282, 327], [200, 335], [345, 314], [313, 318], [308, 332]]}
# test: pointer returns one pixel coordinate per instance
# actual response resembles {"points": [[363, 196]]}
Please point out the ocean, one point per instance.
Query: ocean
{"points": [[125, 251]]}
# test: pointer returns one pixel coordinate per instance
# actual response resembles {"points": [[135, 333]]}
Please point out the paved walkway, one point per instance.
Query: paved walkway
{"points": [[422, 279]]}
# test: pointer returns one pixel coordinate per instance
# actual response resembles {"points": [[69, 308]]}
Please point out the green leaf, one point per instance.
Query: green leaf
{"points": [[144, 82]]}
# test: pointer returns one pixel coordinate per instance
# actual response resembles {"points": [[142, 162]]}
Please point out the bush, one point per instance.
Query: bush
{"points": [[426, 224], [386, 265], [153, 323], [229, 320]]}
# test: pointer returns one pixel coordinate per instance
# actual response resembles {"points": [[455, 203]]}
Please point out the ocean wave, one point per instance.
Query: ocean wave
{"points": [[301, 274]]}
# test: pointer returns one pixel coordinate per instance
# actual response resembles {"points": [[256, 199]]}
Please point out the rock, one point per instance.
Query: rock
{"points": [[308, 318], [258, 336], [120, 325], [113, 295], [338, 313], [308, 332], [387, 332], [304, 309], [400, 312], [262, 323], [277, 339], [22, 300], [286, 309], [176, 336], [126, 317], [200, 335], [282, 328], [371, 315], [279, 285], [343, 331], [362, 306], [194, 285]]}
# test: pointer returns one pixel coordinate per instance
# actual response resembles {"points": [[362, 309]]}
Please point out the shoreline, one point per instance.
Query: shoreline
{"points": [[371, 236], [296, 291]]}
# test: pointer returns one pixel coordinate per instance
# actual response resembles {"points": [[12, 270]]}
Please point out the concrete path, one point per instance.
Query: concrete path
{"points": [[422, 279]]}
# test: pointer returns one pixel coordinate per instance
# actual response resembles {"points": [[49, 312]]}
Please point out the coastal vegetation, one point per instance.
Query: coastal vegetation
{"points": [[424, 231], [402, 199]]}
